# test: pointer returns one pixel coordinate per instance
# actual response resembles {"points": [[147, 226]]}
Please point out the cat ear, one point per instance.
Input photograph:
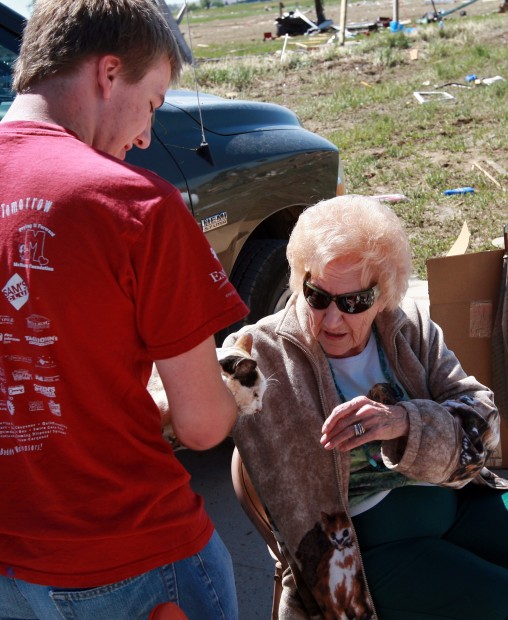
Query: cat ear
{"points": [[244, 367], [245, 342]]}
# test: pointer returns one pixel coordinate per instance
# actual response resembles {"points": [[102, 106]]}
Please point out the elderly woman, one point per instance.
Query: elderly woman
{"points": [[370, 450]]}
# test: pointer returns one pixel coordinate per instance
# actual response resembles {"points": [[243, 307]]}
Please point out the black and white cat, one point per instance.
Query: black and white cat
{"points": [[240, 373]]}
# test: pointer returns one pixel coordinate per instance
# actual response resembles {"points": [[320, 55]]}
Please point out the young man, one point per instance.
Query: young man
{"points": [[103, 270]]}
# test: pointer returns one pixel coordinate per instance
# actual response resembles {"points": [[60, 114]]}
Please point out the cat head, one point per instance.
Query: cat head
{"points": [[242, 376], [336, 529]]}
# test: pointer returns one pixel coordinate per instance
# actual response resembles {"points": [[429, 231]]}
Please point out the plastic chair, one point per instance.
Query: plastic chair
{"points": [[254, 509], [167, 611]]}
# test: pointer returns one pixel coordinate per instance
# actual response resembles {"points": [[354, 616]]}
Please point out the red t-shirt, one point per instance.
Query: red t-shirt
{"points": [[103, 269]]}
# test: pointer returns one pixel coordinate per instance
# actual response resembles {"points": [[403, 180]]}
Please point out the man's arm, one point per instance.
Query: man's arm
{"points": [[203, 410]]}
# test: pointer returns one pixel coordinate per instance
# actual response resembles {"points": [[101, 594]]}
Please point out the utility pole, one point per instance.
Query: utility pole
{"points": [[342, 23], [182, 44], [396, 11]]}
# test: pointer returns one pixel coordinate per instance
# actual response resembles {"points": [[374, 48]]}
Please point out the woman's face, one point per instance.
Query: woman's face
{"points": [[339, 333]]}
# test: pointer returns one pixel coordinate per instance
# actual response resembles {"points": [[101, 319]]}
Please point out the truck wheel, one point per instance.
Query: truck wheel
{"points": [[260, 276]]}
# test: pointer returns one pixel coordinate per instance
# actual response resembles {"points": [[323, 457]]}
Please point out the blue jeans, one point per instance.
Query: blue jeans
{"points": [[202, 585]]}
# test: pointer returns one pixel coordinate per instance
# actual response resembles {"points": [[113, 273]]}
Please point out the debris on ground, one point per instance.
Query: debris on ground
{"points": [[489, 169], [295, 23], [432, 95], [459, 190], [437, 16], [391, 197], [489, 81], [472, 81], [457, 84]]}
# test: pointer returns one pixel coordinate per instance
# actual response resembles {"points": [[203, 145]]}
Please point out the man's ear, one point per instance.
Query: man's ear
{"points": [[108, 70]]}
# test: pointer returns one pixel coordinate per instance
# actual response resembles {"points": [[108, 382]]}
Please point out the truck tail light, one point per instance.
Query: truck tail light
{"points": [[341, 184]]}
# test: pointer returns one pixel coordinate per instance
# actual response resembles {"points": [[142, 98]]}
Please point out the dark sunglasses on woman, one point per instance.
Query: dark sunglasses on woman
{"points": [[350, 303]]}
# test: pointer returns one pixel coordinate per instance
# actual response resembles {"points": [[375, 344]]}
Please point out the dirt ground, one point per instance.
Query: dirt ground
{"points": [[370, 10]]}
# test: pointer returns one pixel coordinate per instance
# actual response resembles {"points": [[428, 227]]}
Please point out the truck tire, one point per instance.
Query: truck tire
{"points": [[260, 276]]}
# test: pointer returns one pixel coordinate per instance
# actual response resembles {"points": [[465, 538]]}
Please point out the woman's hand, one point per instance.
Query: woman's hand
{"points": [[362, 420]]}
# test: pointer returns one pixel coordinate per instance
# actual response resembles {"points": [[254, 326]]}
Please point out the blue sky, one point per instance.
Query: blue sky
{"points": [[21, 6]]}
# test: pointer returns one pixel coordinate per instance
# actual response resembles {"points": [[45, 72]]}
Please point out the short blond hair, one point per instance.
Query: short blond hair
{"points": [[360, 229], [61, 34]]}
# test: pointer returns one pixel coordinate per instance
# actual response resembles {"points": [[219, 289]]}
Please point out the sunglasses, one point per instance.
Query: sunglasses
{"points": [[350, 303]]}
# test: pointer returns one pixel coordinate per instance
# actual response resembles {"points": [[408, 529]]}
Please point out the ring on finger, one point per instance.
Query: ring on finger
{"points": [[358, 429]]}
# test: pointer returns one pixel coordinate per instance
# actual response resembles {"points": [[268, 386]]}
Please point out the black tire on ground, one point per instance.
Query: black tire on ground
{"points": [[260, 276]]}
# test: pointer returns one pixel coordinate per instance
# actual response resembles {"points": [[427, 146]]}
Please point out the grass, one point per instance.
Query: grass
{"points": [[360, 96]]}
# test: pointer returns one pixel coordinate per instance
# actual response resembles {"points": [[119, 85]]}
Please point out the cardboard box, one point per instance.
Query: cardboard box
{"points": [[463, 294]]}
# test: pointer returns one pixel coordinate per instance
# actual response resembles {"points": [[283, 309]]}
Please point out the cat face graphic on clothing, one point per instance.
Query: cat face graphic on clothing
{"points": [[334, 570], [339, 536]]}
